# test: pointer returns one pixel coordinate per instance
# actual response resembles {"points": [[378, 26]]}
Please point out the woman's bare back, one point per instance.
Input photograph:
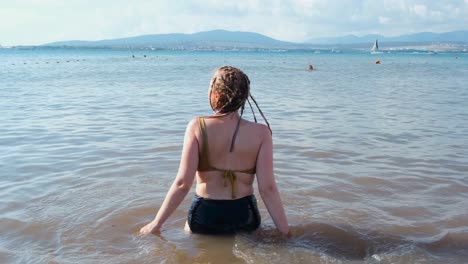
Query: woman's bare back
{"points": [[220, 130]]}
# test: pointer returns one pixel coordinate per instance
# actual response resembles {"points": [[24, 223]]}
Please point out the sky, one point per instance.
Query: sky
{"points": [[34, 22]]}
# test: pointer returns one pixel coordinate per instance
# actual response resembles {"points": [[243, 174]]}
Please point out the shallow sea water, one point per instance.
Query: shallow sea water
{"points": [[371, 160]]}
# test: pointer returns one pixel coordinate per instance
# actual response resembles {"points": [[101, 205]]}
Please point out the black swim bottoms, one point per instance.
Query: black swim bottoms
{"points": [[209, 216]]}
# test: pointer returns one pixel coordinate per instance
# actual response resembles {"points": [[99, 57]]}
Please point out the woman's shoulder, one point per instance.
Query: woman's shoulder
{"points": [[257, 127], [193, 125], [193, 121]]}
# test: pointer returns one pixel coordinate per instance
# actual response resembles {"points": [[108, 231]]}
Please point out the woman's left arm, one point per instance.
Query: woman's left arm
{"points": [[182, 183]]}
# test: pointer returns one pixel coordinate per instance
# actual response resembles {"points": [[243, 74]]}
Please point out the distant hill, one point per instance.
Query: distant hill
{"points": [[208, 39], [229, 40], [454, 36]]}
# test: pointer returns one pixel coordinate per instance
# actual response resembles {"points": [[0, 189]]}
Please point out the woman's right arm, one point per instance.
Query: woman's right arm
{"points": [[182, 183], [267, 184]]}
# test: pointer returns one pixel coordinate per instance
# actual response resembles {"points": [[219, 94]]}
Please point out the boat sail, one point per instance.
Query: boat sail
{"points": [[375, 48]]}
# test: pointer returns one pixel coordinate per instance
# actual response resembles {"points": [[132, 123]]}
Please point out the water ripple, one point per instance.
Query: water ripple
{"points": [[370, 161]]}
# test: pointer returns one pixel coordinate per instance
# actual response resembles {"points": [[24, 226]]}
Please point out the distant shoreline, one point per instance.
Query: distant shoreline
{"points": [[393, 47]]}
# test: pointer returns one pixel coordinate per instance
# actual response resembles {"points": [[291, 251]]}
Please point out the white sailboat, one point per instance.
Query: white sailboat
{"points": [[375, 48]]}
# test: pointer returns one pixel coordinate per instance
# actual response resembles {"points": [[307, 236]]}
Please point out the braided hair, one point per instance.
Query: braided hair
{"points": [[232, 86], [233, 89]]}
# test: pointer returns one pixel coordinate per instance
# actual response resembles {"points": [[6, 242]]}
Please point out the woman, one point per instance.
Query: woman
{"points": [[225, 152]]}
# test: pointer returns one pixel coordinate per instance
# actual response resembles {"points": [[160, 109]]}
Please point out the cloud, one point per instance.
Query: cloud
{"points": [[42, 21], [420, 10], [384, 20]]}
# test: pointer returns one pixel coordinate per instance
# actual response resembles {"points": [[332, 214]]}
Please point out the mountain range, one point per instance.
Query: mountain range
{"points": [[206, 39], [223, 39]]}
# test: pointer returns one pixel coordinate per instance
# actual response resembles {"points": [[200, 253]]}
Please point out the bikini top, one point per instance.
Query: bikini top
{"points": [[204, 162]]}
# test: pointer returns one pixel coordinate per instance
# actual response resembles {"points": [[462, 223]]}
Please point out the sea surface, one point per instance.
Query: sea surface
{"points": [[371, 159]]}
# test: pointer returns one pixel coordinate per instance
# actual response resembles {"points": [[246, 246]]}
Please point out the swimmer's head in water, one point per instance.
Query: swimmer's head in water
{"points": [[229, 89]]}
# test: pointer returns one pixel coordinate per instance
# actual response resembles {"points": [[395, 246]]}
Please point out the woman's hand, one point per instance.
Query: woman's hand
{"points": [[152, 228]]}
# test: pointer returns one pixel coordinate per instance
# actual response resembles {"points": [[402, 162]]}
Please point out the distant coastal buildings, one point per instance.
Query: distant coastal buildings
{"points": [[438, 47]]}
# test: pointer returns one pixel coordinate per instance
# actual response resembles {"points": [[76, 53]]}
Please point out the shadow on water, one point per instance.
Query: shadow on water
{"points": [[311, 243], [346, 243]]}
